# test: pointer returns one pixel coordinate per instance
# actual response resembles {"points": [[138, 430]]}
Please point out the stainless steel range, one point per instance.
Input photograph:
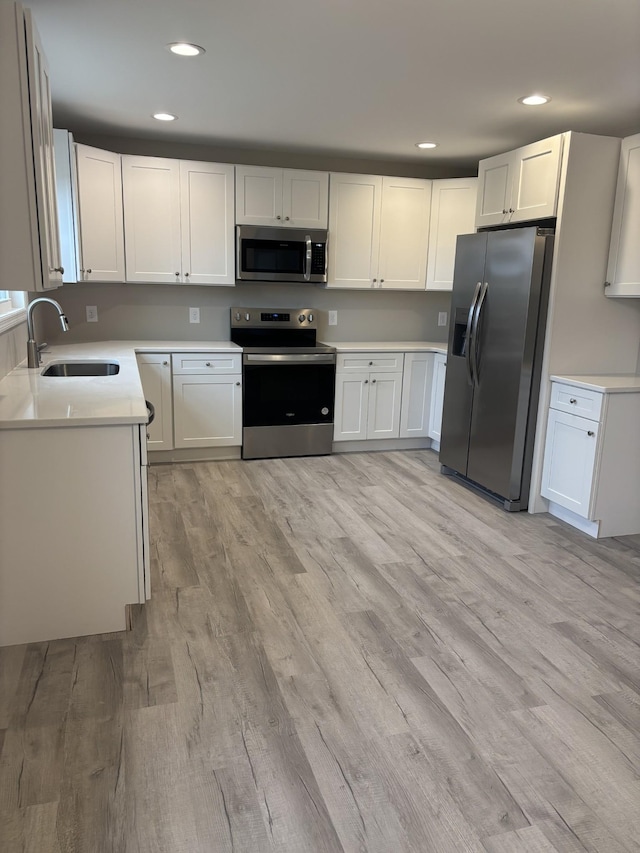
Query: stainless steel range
{"points": [[288, 383]]}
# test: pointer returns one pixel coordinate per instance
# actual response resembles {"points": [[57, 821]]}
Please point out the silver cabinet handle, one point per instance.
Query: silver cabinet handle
{"points": [[573, 400], [504, 211], [278, 216], [286, 218], [366, 381], [373, 381], [58, 269], [370, 364], [186, 275], [165, 363], [590, 432], [374, 280], [178, 274], [381, 281], [208, 364], [237, 383], [86, 272]]}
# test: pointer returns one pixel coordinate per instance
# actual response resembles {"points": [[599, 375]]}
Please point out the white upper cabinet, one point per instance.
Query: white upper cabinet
{"points": [[100, 216], [29, 237], [378, 232], [623, 271], [520, 185], [291, 198], [453, 208], [178, 221], [206, 208]]}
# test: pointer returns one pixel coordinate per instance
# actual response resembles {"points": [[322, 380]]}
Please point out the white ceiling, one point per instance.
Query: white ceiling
{"points": [[362, 78]]}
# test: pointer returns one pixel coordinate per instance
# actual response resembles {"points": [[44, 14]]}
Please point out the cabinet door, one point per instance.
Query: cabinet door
{"points": [[207, 410], [258, 195], [151, 194], [44, 160], [494, 189], [100, 214], [305, 198], [623, 272], [383, 410], [67, 199], [354, 230], [206, 213], [416, 394], [569, 461], [404, 233], [155, 375], [437, 396], [351, 403], [453, 208], [536, 175]]}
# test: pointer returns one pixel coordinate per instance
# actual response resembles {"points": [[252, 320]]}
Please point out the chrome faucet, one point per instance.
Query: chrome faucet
{"points": [[33, 348]]}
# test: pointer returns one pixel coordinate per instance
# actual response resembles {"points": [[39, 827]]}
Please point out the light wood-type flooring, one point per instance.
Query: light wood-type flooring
{"points": [[348, 653]]}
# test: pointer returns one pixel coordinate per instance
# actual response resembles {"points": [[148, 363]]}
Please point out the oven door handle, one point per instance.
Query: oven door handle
{"points": [[307, 265], [293, 358]]}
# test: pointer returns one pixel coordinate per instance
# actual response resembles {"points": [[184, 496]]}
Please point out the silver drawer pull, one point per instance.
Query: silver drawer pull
{"points": [[208, 364], [573, 400], [590, 432]]}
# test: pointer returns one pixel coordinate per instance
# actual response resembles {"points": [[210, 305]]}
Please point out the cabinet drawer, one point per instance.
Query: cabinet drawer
{"points": [[378, 361], [576, 401], [203, 362]]}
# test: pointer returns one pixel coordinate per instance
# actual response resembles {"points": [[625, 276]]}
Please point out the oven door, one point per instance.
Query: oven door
{"points": [[288, 389]]}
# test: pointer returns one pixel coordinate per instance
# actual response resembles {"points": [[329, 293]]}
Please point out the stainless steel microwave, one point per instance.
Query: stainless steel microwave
{"points": [[281, 254]]}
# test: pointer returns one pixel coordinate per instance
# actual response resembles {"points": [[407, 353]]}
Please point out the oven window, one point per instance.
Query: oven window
{"points": [[273, 256], [288, 394]]}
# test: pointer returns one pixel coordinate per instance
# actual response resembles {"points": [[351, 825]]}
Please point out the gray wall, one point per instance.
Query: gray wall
{"points": [[160, 311]]}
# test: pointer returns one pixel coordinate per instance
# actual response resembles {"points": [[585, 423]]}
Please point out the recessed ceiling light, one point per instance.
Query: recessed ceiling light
{"points": [[426, 144], [534, 100], [165, 116], [183, 48]]}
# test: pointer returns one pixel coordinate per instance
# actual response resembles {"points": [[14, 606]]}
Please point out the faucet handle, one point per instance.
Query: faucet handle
{"points": [[42, 346]]}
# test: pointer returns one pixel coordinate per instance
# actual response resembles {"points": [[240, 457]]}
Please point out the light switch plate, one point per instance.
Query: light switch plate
{"points": [[92, 313], [333, 318], [442, 318], [194, 315]]}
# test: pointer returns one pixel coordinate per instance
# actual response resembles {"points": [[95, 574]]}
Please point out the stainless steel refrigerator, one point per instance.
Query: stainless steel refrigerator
{"points": [[496, 337]]}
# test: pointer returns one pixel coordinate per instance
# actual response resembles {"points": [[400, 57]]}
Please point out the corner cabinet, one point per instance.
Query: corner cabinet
{"points": [[29, 237], [591, 471], [520, 185], [623, 271], [155, 376], [100, 215], [178, 221], [453, 208], [379, 231], [290, 198]]}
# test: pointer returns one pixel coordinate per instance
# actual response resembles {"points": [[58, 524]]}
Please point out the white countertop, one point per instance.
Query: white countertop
{"points": [[621, 383], [28, 399], [387, 346]]}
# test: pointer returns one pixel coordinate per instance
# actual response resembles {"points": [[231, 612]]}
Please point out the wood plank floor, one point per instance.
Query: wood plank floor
{"points": [[347, 653]]}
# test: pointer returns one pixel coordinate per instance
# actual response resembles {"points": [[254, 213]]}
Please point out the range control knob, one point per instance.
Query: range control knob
{"points": [[237, 315], [311, 318], [247, 317], [301, 318]]}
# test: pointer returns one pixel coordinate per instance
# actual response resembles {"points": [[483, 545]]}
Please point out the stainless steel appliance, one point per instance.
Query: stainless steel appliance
{"points": [[496, 337], [288, 383], [281, 254]]}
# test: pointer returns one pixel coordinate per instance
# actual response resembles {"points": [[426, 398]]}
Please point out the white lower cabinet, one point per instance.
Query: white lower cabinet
{"points": [[368, 396], [591, 471], [74, 549], [155, 375], [437, 396], [416, 394], [207, 400]]}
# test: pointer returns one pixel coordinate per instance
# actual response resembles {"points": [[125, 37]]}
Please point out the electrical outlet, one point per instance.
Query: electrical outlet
{"points": [[92, 313], [442, 318], [194, 315], [333, 318]]}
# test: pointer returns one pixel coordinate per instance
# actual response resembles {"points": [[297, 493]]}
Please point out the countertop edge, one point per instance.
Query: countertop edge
{"points": [[624, 383]]}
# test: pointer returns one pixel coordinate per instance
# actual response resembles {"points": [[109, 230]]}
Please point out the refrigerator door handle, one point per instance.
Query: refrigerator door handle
{"points": [[474, 332], [469, 332]]}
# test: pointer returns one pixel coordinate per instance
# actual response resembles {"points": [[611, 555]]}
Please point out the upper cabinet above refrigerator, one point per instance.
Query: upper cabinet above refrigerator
{"points": [[520, 185], [623, 271]]}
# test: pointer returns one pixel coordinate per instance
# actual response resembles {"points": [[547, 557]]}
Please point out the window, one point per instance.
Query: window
{"points": [[12, 308]]}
